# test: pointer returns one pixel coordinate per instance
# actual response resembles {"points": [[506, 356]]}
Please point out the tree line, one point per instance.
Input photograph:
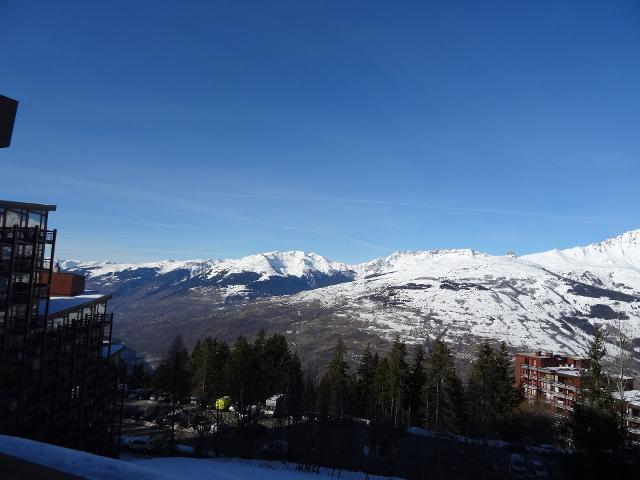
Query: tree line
{"points": [[422, 389], [418, 388], [248, 372]]}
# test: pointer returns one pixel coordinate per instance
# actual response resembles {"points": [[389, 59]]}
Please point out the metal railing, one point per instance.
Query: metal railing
{"points": [[26, 234]]}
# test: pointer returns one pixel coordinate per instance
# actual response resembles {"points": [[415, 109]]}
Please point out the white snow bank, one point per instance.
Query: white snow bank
{"points": [[78, 463], [234, 469], [95, 467]]}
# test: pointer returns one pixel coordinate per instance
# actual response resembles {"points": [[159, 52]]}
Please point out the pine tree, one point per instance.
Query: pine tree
{"points": [[273, 365], [508, 397], [241, 373], [294, 389], [595, 386], [333, 391], [218, 385], [203, 367], [398, 381], [365, 383], [481, 399], [173, 375], [381, 393], [442, 393], [416, 385], [594, 424], [173, 372]]}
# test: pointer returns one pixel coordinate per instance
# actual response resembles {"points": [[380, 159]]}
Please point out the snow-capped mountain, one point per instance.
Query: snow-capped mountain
{"points": [[615, 261], [545, 301], [266, 274]]}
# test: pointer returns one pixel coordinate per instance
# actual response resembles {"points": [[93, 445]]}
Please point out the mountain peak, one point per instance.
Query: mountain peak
{"points": [[630, 238], [622, 251]]}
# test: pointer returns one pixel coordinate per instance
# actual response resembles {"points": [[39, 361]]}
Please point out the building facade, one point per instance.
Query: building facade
{"points": [[553, 378], [58, 379], [631, 410]]}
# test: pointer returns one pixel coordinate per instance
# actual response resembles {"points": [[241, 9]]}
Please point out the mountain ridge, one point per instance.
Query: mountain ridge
{"points": [[278, 266], [549, 300]]}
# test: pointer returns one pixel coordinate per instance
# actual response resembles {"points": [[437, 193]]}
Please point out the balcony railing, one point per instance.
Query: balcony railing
{"points": [[28, 234], [25, 265], [81, 324], [564, 385], [632, 418]]}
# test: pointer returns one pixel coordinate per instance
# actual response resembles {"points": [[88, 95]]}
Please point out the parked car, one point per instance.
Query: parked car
{"points": [[274, 404], [140, 444], [219, 427], [539, 470], [546, 448], [517, 465]]}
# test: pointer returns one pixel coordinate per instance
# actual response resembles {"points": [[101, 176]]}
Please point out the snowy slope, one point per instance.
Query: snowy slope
{"points": [[463, 295], [548, 300], [615, 262]]}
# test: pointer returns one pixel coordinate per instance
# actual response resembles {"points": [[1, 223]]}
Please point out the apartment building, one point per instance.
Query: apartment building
{"points": [[631, 413], [59, 380], [553, 378]]}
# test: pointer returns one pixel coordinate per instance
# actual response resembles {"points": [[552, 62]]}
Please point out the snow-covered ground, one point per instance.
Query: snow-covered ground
{"points": [[234, 468], [94, 467]]}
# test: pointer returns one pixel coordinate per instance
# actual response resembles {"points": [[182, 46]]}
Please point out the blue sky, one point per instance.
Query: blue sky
{"points": [[351, 129]]}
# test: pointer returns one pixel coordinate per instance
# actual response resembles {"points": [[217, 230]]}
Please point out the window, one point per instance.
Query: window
{"points": [[14, 218], [34, 219], [25, 250]]}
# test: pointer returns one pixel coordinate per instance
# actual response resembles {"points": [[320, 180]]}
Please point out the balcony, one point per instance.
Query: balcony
{"points": [[25, 265], [26, 235], [564, 385], [632, 419]]}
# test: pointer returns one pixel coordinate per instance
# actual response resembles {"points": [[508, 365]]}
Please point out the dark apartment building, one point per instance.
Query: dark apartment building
{"points": [[553, 378], [59, 381]]}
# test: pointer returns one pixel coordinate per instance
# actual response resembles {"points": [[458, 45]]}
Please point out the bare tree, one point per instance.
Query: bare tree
{"points": [[621, 360]]}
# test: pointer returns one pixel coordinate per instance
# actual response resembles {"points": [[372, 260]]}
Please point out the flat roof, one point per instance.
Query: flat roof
{"points": [[550, 355], [59, 305], [534, 354], [27, 206], [115, 348], [569, 371], [631, 396]]}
